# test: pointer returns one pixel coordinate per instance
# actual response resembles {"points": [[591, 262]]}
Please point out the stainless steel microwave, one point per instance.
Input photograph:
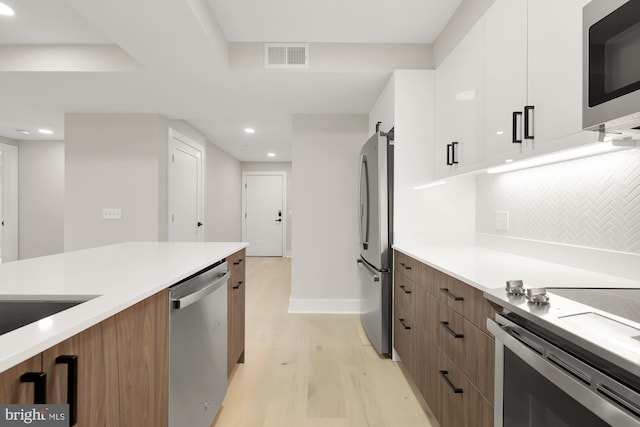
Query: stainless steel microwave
{"points": [[611, 66]]}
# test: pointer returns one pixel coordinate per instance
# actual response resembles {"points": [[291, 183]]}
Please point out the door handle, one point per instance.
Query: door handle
{"points": [[72, 385], [517, 117], [454, 145], [528, 122], [278, 220], [39, 380], [199, 224], [449, 147]]}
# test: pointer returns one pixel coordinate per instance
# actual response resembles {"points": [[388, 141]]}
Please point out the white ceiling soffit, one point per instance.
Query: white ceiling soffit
{"points": [[328, 21]]}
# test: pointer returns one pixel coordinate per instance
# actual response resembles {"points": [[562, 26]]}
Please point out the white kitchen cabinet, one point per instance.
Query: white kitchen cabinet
{"points": [[521, 65], [459, 105], [554, 45], [505, 76]]}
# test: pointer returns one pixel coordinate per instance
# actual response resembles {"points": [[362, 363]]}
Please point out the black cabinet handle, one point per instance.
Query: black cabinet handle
{"points": [[445, 375], [72, 385], [238, 285], [405, 289], [404, 324], [39, 380], [238, 262], [528, 122], [447, 328], [449, 147], [407, 267], [450, 295], [454, 145], [515, 138]]}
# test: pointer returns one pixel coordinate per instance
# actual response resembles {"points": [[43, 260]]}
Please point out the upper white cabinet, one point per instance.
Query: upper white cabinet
{"points": [[554, 83], [523, 63], [459, 106], [505, 82]]}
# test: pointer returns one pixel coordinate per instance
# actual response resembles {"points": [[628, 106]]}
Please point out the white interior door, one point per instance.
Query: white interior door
{"points": [[264, 219], [8, 203], [184, 190]]}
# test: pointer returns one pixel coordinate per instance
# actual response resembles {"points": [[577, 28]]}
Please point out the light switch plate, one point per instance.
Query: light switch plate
{"points": [[502, 220], [111, 213]]}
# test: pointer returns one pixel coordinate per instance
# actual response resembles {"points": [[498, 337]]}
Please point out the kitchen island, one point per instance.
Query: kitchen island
{"points": [[108, 357], [116, 277]]}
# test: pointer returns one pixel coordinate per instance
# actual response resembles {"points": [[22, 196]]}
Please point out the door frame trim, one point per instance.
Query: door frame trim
{"points": [[10, 201], [283, 174], [174, 134]]}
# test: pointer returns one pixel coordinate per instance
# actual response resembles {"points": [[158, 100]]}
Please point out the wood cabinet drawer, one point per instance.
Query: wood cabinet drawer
{"points": [[469, 348], [404, 293], [235, 263], [461, 404], [426, 309], [404, 338], [411, 268], [464, 299]]}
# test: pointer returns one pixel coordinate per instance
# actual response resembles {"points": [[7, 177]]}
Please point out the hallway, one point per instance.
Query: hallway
{"points": [[310, 370]]}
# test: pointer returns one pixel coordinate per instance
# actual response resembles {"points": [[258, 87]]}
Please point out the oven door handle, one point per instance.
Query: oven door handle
{"points": [[561, 378]]}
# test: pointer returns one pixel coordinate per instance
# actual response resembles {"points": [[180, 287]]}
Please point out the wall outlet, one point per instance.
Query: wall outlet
{"points": [[111, 213], [502, 220]]}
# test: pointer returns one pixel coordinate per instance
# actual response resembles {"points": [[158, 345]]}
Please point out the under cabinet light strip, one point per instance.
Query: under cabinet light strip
{"points": [[561, 156]]}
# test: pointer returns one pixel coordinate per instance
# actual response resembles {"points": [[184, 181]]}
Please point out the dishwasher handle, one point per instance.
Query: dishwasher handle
{"points": [[187, 300]]}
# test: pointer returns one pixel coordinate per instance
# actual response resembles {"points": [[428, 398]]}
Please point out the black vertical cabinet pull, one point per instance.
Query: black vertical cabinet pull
{"points": [[528, 122], [454, 145], [515, 139], [449, 146], [72, 385], [39, 380]]}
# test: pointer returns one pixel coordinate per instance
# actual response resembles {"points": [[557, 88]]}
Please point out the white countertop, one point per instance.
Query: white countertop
{"points": [[486, 268], [120, 275]]}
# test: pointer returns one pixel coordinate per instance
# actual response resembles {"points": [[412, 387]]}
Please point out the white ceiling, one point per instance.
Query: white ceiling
{"points": [[170, 57]]}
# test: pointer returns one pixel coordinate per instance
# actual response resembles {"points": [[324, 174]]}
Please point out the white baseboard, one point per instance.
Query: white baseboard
{"points": [[287, 254], [324, 306]]}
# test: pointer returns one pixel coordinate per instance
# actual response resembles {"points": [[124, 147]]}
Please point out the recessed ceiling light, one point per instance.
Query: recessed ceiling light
{"points": [[23, 131], [271, 154], [6, 10], [45, 131], [249, 130]]}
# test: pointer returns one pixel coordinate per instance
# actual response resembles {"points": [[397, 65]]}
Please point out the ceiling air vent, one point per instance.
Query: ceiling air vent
{"points": [[286, 55]]}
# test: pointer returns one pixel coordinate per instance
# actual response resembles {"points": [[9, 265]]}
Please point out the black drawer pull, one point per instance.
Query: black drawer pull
{"points": [[404, 289], [237, 262], [406, 267], [450, 295], [445, 375], [403, 324], [238, 285], [446, 326], [72, 385], [39, 380]]}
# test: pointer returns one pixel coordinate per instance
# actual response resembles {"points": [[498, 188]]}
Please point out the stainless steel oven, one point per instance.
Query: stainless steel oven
{"points": [[566, 357], [611, 65]]}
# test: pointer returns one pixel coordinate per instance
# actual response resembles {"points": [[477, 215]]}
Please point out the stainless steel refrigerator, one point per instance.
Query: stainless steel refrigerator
{"points": [[376, 220]]}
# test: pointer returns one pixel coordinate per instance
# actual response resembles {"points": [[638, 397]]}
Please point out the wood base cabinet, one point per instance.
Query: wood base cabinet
{"points": [[115, 373], [236, 312], [440, 336]]}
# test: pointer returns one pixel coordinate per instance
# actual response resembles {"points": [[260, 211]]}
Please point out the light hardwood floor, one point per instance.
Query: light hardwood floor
{"points": [[310, 370]]}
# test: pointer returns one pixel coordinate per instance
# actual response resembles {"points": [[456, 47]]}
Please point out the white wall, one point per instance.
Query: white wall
{"points": [[325, 228], [113, 161], [41, 198], [223, 196], [277, 167]]}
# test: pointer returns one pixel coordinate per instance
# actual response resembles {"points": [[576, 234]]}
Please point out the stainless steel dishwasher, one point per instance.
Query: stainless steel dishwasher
{"points": [[198, 347]]}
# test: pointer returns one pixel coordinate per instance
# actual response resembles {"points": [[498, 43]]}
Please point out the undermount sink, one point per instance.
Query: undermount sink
{"points": [[16, 313]]}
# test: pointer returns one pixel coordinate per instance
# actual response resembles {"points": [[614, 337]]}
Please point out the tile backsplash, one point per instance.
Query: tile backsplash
{"points": [[592, 202]]}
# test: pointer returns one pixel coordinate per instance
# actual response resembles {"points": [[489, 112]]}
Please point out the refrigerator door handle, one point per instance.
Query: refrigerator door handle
{"points": [[364, 202], [372, 272]]}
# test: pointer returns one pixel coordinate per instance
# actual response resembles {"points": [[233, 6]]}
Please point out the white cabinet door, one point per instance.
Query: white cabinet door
{"points": [[555, 67], [459, 86], [505, 77]]}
